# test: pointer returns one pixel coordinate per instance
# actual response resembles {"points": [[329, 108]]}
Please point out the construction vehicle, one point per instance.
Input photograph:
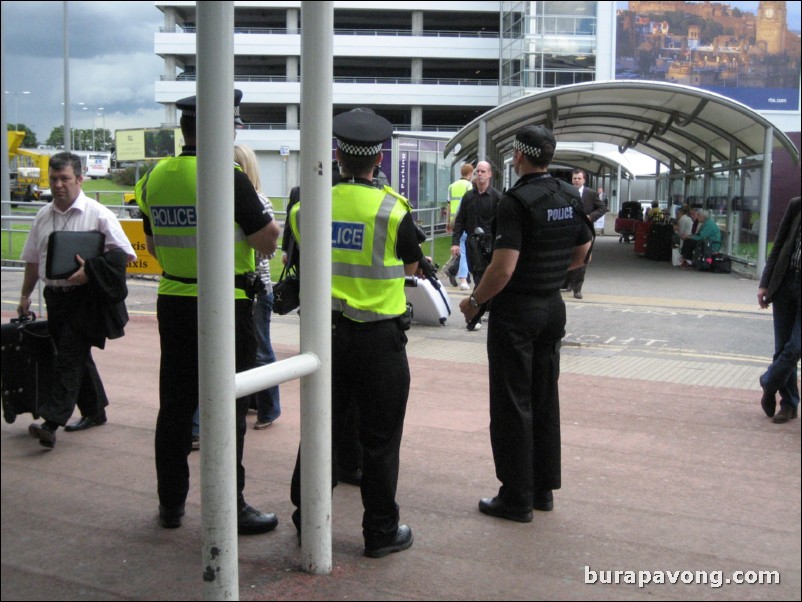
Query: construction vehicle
{"points": [[27, 170]]}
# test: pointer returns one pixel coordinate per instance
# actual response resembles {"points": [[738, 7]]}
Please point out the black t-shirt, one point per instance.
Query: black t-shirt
{"points": [[477, 209]]}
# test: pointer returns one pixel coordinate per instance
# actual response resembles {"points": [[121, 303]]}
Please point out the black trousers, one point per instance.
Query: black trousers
{"points": [[523, 350], [369, 371], [76, 380], [178, 392]]}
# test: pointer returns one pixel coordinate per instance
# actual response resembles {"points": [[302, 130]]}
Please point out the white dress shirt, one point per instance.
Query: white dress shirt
{"points": [[84, 215]]}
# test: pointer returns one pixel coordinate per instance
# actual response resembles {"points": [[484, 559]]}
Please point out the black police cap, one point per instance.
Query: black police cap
{"points": [[189, 106], [534, 140], [361, 132]]}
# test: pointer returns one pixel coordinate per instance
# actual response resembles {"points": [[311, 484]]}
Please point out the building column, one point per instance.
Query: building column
{"points": [[416, 118], [170, 117], [416, 73], [292, 71], [292, 117]]}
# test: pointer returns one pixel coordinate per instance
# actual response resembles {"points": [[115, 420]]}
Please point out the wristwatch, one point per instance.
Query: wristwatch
{"points": [[473, 302]]}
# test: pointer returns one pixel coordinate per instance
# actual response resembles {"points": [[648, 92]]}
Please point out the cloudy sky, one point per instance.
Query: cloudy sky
{"points": [[112, 64]]}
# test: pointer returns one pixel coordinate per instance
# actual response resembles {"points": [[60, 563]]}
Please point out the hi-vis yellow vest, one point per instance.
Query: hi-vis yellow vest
{"points": [[456, 191], [168, 196], [367, 282]]}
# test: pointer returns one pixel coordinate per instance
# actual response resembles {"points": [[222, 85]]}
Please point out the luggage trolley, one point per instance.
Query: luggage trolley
{"points": [[631, 213]]}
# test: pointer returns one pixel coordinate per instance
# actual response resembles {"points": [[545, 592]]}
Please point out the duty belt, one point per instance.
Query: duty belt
{"points": [[239, 280]]}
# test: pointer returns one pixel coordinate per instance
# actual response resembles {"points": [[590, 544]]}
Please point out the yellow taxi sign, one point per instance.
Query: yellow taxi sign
{"points": [[145, 262]]}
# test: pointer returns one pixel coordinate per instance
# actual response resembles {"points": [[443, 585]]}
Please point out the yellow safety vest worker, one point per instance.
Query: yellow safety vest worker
{"points": [[167, 195], [456, 191], [367, 283]]}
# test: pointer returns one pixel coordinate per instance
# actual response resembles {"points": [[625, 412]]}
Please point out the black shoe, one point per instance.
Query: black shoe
{"points": [[252, 522], [402, 541], [495, 507], [170, 518], [86, 422], [785, 414], [45, 433], [351, 477], [577, 295], [769, 404], [543, 500]]}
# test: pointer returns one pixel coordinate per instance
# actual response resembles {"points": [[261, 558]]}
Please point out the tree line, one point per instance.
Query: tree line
{"points": [[80, 139]]}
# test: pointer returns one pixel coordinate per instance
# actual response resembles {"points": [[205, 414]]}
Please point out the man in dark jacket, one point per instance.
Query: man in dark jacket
{"points": [[780, 288], [594, 208]]}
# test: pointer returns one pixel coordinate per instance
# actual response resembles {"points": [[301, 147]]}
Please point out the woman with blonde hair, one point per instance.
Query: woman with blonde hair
{"points": [[266, 403]]}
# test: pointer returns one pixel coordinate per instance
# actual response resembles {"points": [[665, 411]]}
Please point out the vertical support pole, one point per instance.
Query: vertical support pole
{"points": [[317, 65], [67, 128], [215, 118], [481, 143], [765, 193]]}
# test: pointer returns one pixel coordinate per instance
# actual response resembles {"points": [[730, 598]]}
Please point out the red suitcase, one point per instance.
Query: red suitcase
{"points": [[642, 230]]}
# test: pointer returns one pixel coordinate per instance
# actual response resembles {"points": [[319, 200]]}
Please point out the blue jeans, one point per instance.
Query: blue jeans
{"points": [[463, 257], [268, 407], [781, 374]]}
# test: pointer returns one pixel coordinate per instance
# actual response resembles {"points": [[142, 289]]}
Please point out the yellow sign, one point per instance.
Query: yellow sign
{"points": [[145, 262], [148, 143]]}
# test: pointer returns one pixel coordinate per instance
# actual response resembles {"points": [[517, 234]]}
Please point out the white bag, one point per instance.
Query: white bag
{"points": [[676, 257]]}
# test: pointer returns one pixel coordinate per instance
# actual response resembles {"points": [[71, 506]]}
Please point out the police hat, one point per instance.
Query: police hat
{"points": [[188, 106], [361, 132], [535, 141]]}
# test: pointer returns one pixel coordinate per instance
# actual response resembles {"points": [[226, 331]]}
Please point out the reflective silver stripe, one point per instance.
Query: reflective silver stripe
{"points": [[188, 241], [175, 242], [360, 315], [367, 271], [381, 229]]}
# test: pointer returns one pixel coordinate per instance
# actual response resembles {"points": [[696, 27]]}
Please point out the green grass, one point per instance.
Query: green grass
{"points": [[105, 191]]}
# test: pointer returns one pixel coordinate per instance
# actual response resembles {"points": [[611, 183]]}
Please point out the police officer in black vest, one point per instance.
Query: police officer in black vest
{"points": [[541, 232]]}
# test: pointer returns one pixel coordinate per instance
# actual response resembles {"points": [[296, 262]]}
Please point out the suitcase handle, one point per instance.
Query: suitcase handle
{"points": [[31, 317]]}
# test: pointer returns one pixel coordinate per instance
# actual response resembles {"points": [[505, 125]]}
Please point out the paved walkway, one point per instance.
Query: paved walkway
{"points": [[676, 473]]}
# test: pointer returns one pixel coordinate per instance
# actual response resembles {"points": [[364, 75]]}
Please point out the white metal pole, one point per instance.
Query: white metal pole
{"points": [[5, 183], [765, 193], [215, 118], [67, 128], [317, 48]]}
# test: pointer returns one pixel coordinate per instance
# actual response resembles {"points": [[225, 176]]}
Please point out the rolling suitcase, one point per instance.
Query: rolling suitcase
{"points": [[28, 357], [430, 305], [659, 242]]}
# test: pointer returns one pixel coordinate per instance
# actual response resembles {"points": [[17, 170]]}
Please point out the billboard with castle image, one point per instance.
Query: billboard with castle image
{"points": [[743, 50]]}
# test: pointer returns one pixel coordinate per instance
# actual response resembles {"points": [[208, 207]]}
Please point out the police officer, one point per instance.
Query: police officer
{"points": [[541, 231], [374, 246], [167, 196]]}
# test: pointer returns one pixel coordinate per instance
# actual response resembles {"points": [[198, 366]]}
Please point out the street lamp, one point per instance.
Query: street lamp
{"points": [[103, 115], [16, 105]]}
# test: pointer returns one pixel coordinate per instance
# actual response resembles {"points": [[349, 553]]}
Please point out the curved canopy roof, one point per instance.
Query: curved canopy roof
{"points": [[591, 161], [682, 126]]}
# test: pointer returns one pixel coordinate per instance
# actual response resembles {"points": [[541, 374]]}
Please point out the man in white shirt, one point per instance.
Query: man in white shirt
{"points": [[75, 379]]}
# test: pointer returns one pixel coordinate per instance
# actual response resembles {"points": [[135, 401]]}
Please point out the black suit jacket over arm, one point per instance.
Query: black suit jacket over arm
{"points": [[106, 314]]}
